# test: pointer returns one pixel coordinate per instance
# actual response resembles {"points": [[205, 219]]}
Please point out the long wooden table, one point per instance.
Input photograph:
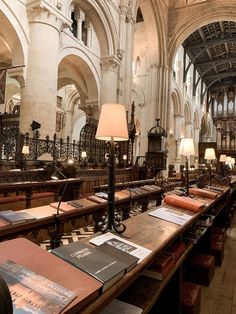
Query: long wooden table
{"points": [[149, 232], [55, 186], [39, 230]]}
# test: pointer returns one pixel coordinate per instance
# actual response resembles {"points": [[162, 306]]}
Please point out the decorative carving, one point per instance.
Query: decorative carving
{"points": [[110, 63]]}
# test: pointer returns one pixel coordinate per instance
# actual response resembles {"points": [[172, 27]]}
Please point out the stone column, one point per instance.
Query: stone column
{"points": [[188, 129], [39, 96], [67, 129], [177, 158], [80, 19], [109, 84]]}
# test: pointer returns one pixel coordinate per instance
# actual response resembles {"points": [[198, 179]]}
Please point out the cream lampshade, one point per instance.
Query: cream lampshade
{"points": [[83, 154], [186, 147], [25, 150], [228, 159], [124, 157], [112, 123], [210, 154], [222, 158]]}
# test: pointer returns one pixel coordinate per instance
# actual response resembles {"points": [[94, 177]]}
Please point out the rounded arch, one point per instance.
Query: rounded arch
{"points": [[176, 101], [221, 12], [13, 34], [187, 113], [76, 68], [196, 120], [138, 95], [102, 21]]}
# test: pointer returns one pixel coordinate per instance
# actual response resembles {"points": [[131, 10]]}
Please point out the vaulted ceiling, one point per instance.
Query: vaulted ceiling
{"points": [[212, 49]]}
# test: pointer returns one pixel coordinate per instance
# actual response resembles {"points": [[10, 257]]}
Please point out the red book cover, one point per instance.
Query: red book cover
{"points": [[183, 202]]}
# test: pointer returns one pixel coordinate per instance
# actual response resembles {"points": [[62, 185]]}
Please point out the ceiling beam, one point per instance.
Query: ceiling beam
{"points": [[216, 62], [208, 43], [220, 75]]}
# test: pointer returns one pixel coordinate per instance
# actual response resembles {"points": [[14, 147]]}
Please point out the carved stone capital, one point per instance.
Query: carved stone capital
{"points": [[110, 64], [42, 11]]}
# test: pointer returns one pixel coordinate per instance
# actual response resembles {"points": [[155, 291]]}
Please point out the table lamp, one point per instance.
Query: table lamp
{"points": [[112, 127], [25, 151], [222, 158], [210, 155], [186, 149], [55, 233]]}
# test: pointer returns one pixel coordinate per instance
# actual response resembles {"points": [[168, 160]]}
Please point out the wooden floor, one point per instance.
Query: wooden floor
{"points": [[220, 296]]}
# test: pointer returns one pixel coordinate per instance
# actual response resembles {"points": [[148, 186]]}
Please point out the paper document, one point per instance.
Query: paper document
{"points": [[171, 215], [122, 244]]}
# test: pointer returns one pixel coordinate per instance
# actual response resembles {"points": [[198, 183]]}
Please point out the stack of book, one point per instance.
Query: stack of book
{"points": [[161, 267], [16, 217], [105, 263], [177, 249], [184, 202]]}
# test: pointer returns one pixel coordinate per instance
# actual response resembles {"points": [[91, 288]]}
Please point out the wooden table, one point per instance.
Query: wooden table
{"points": [[70, 215], [55, 186], [154, 234]]}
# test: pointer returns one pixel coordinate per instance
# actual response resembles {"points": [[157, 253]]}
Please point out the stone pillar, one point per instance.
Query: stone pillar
{"points": [[188, 129], [128, 75], [110, 68], [67, 129], [89, 35], [39, 96], [80, 19], [177, 158]]}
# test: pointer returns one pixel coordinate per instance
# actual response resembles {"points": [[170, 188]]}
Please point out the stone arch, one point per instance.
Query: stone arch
{"points": [[13, 39], [76, 68], [187, 113], [138, 95], [194, 21], [103, 23], [196, 120], [176, 101]]}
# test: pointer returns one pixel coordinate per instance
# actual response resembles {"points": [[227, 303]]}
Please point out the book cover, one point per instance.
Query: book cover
{"points": [[25, 215], [170, 215], [127, 259], [97, 199], [161, 267], [183, 202], [117, 306], [122, 244], [12, 217], [32, 293], [103, 267], [203, 193], [177, 249]]}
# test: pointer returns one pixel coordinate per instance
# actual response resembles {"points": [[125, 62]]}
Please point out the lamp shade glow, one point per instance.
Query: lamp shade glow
{"points": [[228, 158], [222, 158], [25, 150], [233, 161], [83, 154], [210, 154], [186, 147], [124, 157], [112, 123]]}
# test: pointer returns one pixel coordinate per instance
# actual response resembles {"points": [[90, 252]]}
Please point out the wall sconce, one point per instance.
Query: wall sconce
{"points": [[210, 155], [112, 127], [186, 149]]}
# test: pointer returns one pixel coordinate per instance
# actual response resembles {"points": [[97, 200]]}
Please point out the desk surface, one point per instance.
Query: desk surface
{"points": [[145, 230], [37, 184]]}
